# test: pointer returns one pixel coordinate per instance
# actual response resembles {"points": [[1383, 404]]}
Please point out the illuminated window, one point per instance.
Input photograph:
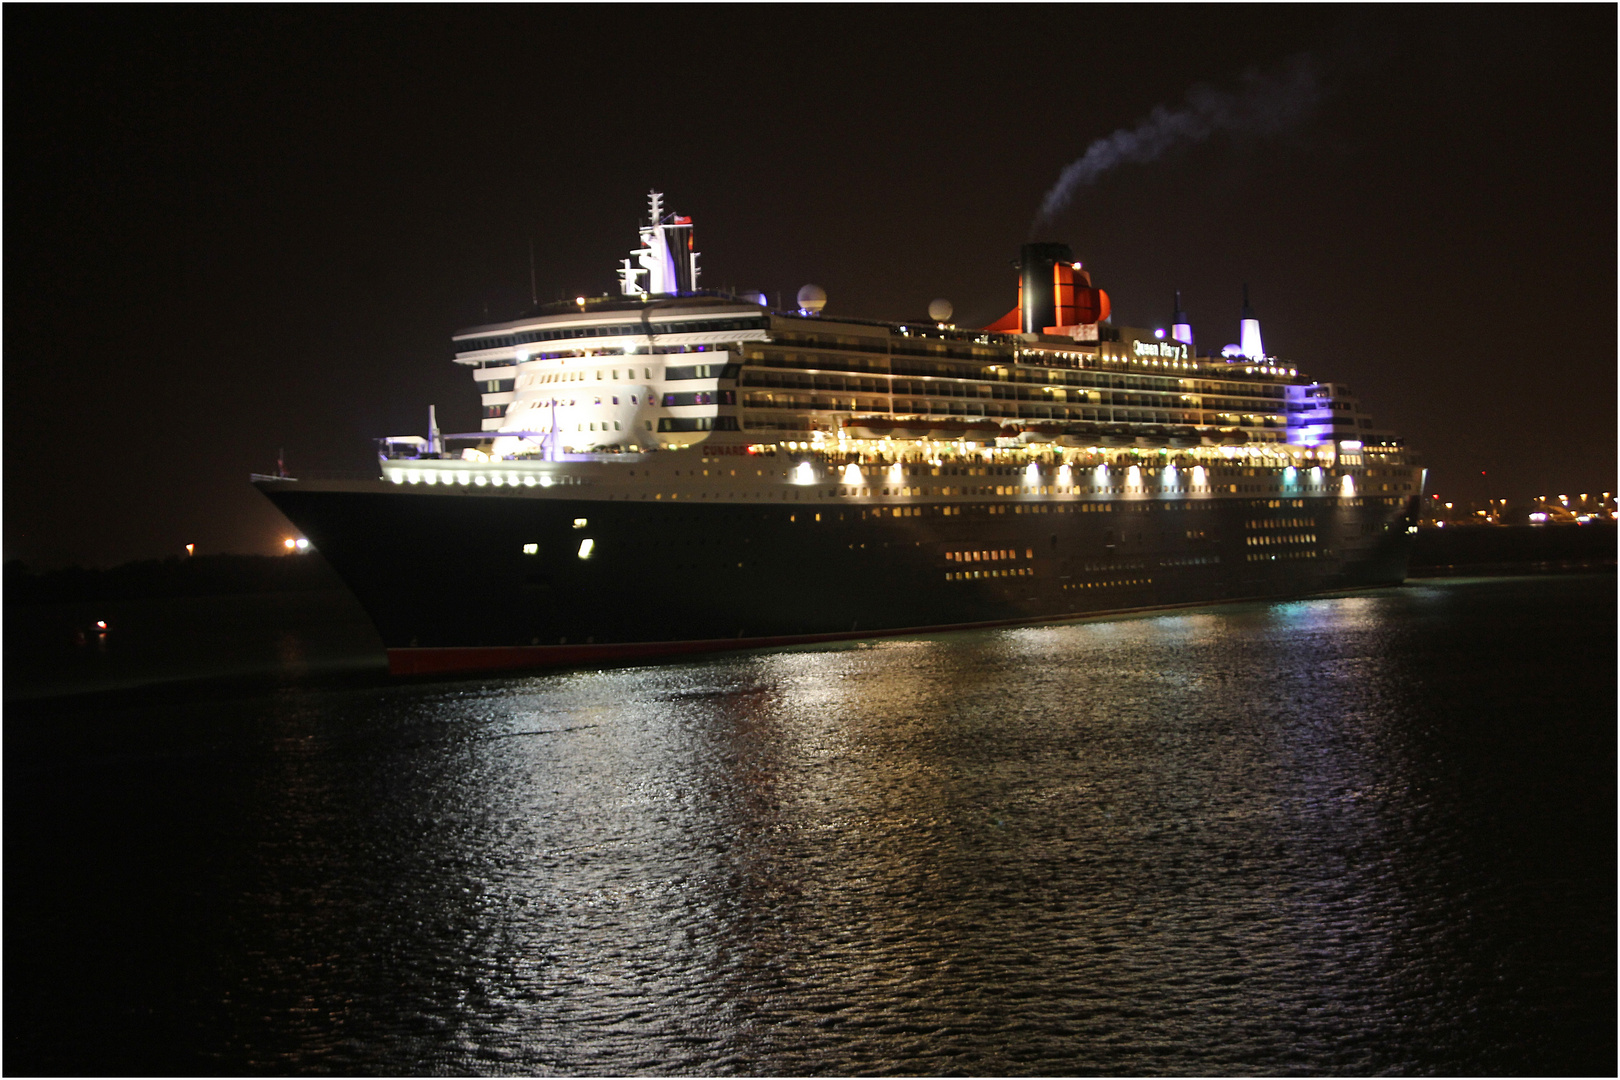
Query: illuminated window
{"points": [[531, 549]]}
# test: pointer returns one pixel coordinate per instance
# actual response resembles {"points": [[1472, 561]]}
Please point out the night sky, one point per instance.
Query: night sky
{"points": [[232, 230]]}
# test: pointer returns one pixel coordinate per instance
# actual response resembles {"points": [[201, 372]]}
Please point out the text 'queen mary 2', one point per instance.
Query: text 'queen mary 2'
{"points": [[674, 470]]}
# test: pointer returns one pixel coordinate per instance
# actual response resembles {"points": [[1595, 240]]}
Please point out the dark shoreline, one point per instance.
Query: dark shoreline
{"points": [[143, 579], [1512, 549]]}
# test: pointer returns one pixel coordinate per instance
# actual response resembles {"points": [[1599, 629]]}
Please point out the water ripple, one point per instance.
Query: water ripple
{"points": [[1361, 835]]}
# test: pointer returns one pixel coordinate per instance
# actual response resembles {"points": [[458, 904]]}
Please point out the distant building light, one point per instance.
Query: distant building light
{"points": [[586, 546]]}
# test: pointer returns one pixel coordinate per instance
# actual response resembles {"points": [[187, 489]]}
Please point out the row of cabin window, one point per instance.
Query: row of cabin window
{"points": [[1280, 523], [807, 381], [1259, 387], [987, 556], [696, 423], [580, 376], [1108, 584], [672, 374], [1020, 412]]}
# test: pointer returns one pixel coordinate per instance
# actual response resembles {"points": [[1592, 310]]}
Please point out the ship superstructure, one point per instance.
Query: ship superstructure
{"points": [[668, 470]]}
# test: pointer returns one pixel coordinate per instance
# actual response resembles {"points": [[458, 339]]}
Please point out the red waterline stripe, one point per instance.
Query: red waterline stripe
{"points": [[452, 658]]}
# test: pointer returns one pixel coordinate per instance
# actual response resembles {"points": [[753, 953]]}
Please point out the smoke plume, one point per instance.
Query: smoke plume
{"points": [[1265, 104]]}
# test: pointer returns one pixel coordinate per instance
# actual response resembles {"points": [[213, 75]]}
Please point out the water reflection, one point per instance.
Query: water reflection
{"points": [[1232, 841]]}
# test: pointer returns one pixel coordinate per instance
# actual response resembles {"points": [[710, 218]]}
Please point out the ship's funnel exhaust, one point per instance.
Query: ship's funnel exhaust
{"points": [[1055, 295], [1180, 328], [1249, 331], [1037, 288]]}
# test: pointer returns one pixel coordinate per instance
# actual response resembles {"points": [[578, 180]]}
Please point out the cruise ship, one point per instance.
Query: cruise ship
{"points": [[671, 470]]}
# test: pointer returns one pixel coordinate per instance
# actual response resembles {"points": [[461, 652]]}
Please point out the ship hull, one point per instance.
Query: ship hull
{"points": [[456, 582]]}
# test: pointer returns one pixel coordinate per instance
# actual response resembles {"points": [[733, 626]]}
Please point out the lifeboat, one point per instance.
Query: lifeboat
{"points": [[1153, 435], [1117, 435], [985, 431], [947, 430], [1078, 435], [868, 427], [1039, 433], [912, 429], [1184, 436]]}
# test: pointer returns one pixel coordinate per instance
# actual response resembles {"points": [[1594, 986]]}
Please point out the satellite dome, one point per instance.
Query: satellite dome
{"points": [[940, 310], [812, 298]]}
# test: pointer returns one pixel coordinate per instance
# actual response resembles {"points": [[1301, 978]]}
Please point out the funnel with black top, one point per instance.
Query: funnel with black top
{"points": [[1038, 287]]}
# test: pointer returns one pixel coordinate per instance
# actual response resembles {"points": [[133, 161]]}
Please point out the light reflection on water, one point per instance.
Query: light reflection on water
{"points": [[1261, 839]]}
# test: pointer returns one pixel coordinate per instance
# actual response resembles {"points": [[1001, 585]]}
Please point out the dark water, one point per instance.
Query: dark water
{"points": [[1362, 835]]}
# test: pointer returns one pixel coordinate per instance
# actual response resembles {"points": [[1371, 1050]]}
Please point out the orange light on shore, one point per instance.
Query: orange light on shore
{"points": [[191, 549], [289, 543]]}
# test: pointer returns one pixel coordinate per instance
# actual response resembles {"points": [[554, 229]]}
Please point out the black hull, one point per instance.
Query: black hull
{"points": [[447, 581]]}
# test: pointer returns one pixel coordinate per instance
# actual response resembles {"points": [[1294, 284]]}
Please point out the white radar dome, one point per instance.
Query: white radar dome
{"points": [[940, 310], [812, 298]]}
